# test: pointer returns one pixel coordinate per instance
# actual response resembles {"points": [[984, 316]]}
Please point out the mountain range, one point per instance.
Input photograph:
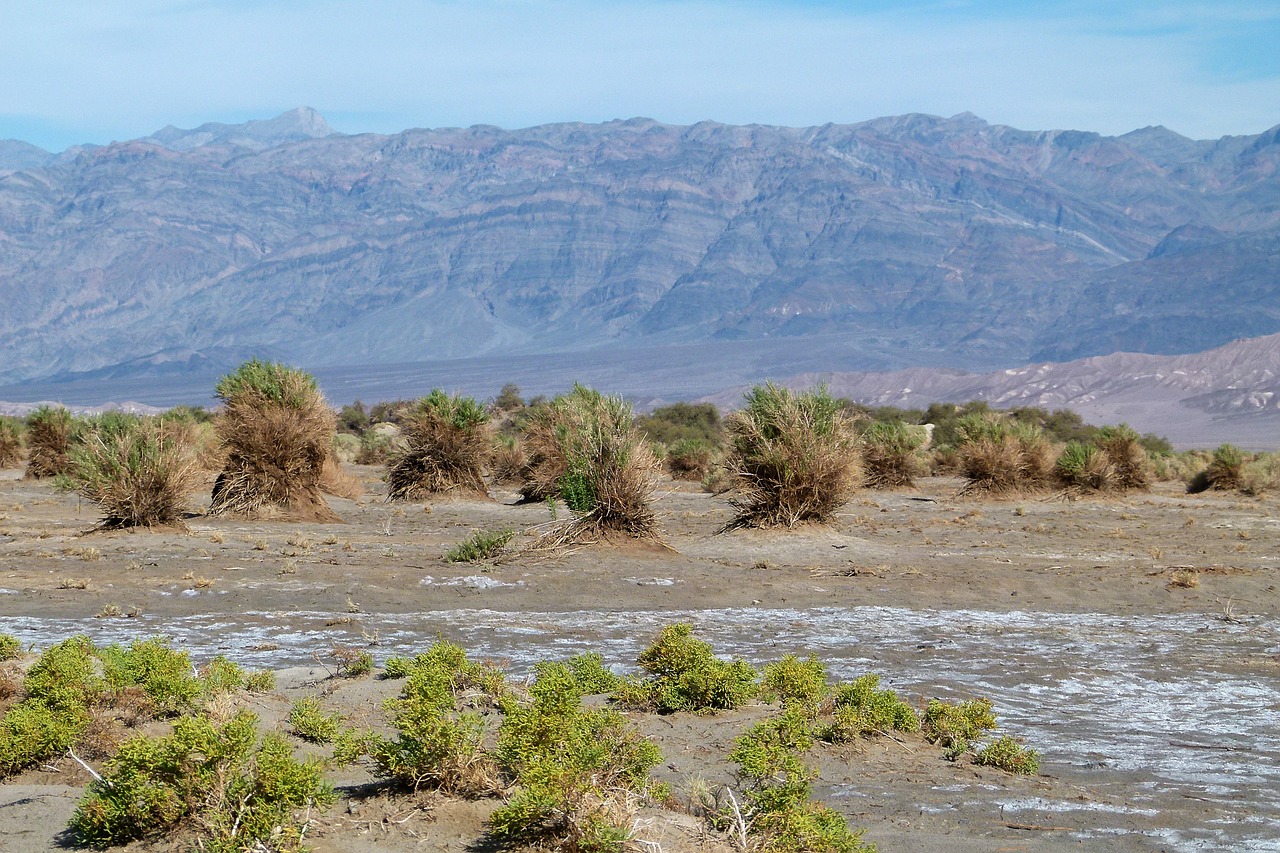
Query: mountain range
{"points": [[908, 241]]}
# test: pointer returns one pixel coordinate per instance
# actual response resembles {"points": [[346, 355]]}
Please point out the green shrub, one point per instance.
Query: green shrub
{"points": [[779, 811], [1084, 468], [582, 675], [260, 681], [680, 422], [684, 675], [794, 457], [66, 676], [32, 732], [10, 647], [221, 676], [480, 545], [690, 459], [351, 662], [956, 727], [1008, 755], [309, 721], [580, 774], [584, 447], [135, 469], [447, 446], [862, 709], [245, 793], [891, 455], [436, 747], [999, 456], [1124, 450], [795, 681], [165, 674]]}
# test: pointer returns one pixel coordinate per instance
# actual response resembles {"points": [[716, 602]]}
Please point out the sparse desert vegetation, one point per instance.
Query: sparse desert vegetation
{"points": [[682, 743]]}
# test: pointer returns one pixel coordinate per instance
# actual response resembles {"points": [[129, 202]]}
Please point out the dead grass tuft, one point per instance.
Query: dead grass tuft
{"points": [[49, 436], [136, 470], [794, 457], [1001, 458], [448, 445], [277, 432]]}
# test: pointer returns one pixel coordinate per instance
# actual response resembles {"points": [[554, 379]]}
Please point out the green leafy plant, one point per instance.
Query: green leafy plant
{"points": [[684, 675], [31, 731], [65, 677], [956, 726], [862, 709], [309, 721], [1005, 753], [10, 647], [795, 681], [246, 793], [480, 545], [794, 456], [580, 774], [778, 811], [165, 674], [220, 676]]}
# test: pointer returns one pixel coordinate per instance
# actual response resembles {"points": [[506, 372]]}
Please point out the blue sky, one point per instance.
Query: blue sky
{"points": [[94, 71]]}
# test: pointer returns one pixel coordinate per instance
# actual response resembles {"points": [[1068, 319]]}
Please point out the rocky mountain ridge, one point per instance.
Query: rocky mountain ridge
{"points": [[910, 240]]}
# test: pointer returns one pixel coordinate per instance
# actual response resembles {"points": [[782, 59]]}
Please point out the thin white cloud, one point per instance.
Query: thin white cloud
{"points": [[125, 69]]}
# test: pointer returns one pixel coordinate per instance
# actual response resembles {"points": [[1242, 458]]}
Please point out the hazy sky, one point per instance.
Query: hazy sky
{"points": [[97, 70]]}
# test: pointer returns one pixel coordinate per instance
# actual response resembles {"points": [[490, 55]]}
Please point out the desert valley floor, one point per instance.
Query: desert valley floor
{"points": [[1134, 642]]}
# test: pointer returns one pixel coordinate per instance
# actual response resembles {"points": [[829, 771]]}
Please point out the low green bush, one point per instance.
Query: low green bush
{"points": [[862, 709], [165, 674], [245, 792], [580, 774], [31, 732], [66, 676], [1008, 755], [309, 721], [956, 726], [480, 545], [684, 675], [795, 681], [10, 647], [778, 812]]}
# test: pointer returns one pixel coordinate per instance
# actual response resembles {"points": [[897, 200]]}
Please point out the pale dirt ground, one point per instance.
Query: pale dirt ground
{"points": [[925, 548]]}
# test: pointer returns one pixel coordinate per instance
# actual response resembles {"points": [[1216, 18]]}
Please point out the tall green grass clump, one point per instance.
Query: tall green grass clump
{"points": [[584, 448], [448, 444], [137, 470], [794, 456], [277, 433], [1224, 473]]}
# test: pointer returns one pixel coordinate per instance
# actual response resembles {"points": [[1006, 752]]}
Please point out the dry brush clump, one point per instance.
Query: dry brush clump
{"points": [[892, 455], [794, 457], [584, 448], [448, 444], [277, 433], [50, 432], [1114, 462], [138, 470], [11, 430], [1000, 457]]}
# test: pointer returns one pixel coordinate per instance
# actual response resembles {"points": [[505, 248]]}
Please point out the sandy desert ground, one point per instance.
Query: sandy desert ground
{"points": [[1156, 706]]}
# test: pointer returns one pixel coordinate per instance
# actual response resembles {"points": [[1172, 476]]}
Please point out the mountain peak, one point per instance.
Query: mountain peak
{"points": [[296, 125]]}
